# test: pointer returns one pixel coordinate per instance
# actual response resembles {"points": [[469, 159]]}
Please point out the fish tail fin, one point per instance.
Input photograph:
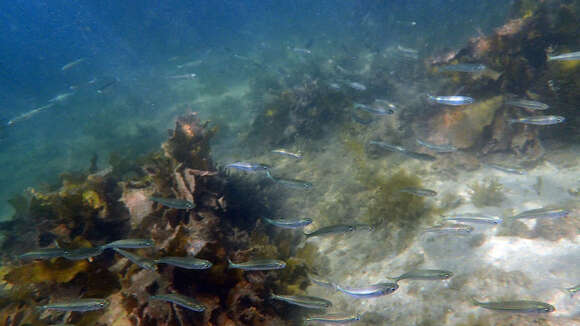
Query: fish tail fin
{"points": [[230, 263], [269, 175], [394, 279], [550, 57], [430, 98], [474, 301]]}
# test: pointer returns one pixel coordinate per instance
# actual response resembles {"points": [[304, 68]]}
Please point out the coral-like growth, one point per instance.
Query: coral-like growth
{"points": [[487, 193]]}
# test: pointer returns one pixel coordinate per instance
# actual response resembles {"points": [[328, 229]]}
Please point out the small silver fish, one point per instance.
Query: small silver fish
{"points": [[474, 218], [450, 100], [185, 262], [258, 265], [300, 50], [291, 183], [419, 156], [174, 203], [184, 76], [337, 318], [284, 152], [540, 120], [465, 67], [145, 263], [507, 169], [371, 291], [79, 305], [543, 213], [389, 147], [373, 110], [304, 301], [357, 86], [72, 64], [520, 306], [289, 223], [565, 57], [82, 253], [527, 104], [572, 290], [321, 282], [419, 192], [460, 229], [424, 274], [388, 106], [180, 300], [249, 167], [61, 97], [339, 229], [130, 244], [437, 148], [44, 253]]}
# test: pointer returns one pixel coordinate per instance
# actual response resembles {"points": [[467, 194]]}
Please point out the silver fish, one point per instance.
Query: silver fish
{"points": [[507, 169], [474, 218], [72, 64], [296, 184], [338, 229], [371, 291], [180, 300], [460, 229], [565, 57], [258, 264], [321, 282], [289, 223], [304, 301], [419, 192], [572, 290], [424, 274], [185, 262], [389, 147], [404, 151], [388, 106], [61, 97], [419, 156], [437, 148], [145, 263], [130, 244], [249, 167], [521, 306], [450, 100], [44, 253], [357, 86], [300, 50], [184, 76], [337, 318], [79, 305], [465, 67], [373, 110], [540, 120], [527, 104], [30, 114], [174, 203], [82, 253], [284, 152], [543, 213]]}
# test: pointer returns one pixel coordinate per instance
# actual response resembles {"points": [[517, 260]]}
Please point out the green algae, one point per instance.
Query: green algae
{"points": [[487, 193]]}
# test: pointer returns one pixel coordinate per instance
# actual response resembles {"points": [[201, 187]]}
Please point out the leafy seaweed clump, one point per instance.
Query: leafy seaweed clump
{"points": [[487, 193]]}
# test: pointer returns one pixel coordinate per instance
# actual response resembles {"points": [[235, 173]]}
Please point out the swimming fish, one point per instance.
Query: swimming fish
{"points": [[540, 120], [407, 52], [258, 264], [145, 263], [82, 253], [404, 151], [464, 67], [284, 152], [450, 100], [187, 262], [337, 318], [320, 281], [572, 290], [184, 76], [387, 105], [474, 218], [437, 148], [61, 97], [72, 64], [373, 110], [249, 167], [424, 274], [389, 147], [360, 120], [173, 203], [130, 244], [338, 229], [30, 114], [460, 229], [527, 104], [543, 213], [371, 291], [565, 57], [516, 306], [304, 301], [357, 86], [289, 223], [419, 192], [507, 169], [291, 183], [79, 305], [106, 86], [180, 300], [300, 50], [44, 253]]}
